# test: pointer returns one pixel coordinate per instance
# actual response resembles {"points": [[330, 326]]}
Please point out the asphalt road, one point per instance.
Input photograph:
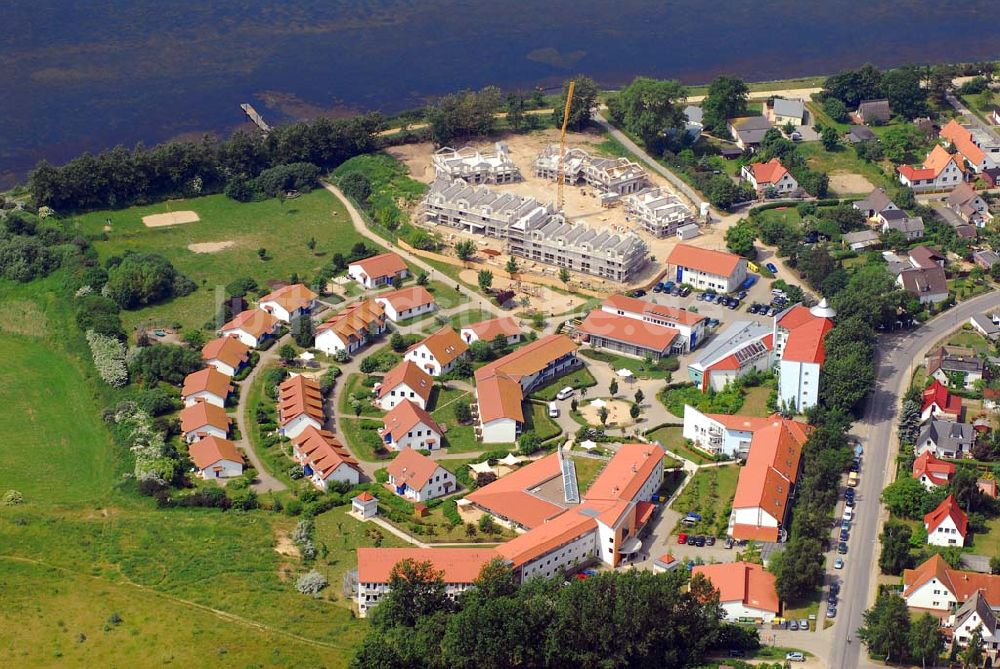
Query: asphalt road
{"points": [[972, 118], [897, 356]]}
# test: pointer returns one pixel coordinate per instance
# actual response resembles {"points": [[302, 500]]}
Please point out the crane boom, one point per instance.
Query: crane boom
{"points": [[560, 177]]}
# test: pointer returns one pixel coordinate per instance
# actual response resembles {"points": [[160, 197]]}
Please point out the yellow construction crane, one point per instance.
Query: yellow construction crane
{"points": [[560, 177]]}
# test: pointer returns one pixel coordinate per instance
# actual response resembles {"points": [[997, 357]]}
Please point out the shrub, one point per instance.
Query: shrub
{"points": [[140, 279], [12, 498], [246, 500], [311, 583], [295, 472], [109, 358], [293, 507]]}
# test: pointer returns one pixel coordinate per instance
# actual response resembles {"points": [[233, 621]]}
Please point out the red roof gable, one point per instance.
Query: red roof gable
{"points": [[947, 509], [938, 471], [937, 394]]}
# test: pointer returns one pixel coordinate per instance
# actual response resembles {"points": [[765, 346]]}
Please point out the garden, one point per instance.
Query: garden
{"points": [[710, 494]]}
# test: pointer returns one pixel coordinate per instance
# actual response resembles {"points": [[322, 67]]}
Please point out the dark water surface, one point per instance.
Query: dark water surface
{"points": [[87, 74]]}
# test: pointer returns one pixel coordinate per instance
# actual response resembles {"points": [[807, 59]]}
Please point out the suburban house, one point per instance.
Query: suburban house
{"points": [[950, 367], [201, 420], [769, 178], [695, 121], [226, 354], [409, 426], [489, 330], [984, 326], [945, 439], [936, 587], [931, 472], [502, 384], [746, 590], [875, 203], [991, 176], [962, 141], [969, 205], [939, 403], [799, 352], [459, 569], [300, 405], [438, 353], [911, 227], [985, 259], [874, 112], [476, 166], [252, 327], [206, 385], [690, 326], [923, 275], [418, 478], [947, 525], [730, 435], [288, 302], [324, 460], [861, 239], [216, 458], [351, 329], [976, 614], [378, 270], [743, 347], [405, 381], [748, 131], [781, 111], [860, 133], [940, 171], [627, 336], [657, 210], [406, 303], [764, 487], [707, 269]]}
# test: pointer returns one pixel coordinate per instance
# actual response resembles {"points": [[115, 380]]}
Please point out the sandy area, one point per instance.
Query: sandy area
{"points": [[211, 247], [170, 218], [618, 415], [285, 546], [845, 183], [540, 298], [801, 93]]}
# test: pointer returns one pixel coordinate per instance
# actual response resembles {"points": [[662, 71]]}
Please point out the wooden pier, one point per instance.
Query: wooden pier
{"points": [[255, 116]]}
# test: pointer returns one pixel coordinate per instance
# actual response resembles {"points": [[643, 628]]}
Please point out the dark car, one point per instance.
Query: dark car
{"points": [[842, 548], [709, 541], [658, 288], [855, 467], [637, 293], [835, 588], [772, 267], [667, 285], [740, 295], [691, 541], [831, 599], [685, 291], [849, 493], [729, 542], [699, 541], [737, 652], [849, 501], [844, 535], [675, 291]]}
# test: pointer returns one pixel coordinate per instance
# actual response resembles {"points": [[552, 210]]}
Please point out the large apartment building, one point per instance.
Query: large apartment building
{"points": [[535, 231], [658, 211], [614, 176], [476, 166]]}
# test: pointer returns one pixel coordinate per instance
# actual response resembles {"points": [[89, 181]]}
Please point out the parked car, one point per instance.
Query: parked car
{"points": [[553, 410], [709, 540], [699, 541], [831, 612], [667, 285], [638, 292], [691, 541], [658, 288], [844, 535], [849, 503], [772, 267], [682, 538], [842, 548], [685, 291], [729, 542], [831, 599], [803, 624], [835, 588], [845, 525], [793, 625], [838, 563], [737, 652], [848, 513], [741, 295], [565, 393], [733, 304], [691, 518], [675, 291], [795, 657]]}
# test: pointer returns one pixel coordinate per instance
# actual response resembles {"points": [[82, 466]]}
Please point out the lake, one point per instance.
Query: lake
{"points": [[82, 76]]}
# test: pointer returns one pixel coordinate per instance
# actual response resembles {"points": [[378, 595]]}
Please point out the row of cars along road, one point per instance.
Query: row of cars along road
{"points": [[853, 478]]}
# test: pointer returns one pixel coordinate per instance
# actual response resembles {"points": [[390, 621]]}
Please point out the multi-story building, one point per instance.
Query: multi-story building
{"points": [[707, 269], [690, 326], [476, 166], [940, 171], [352, 328], [799, 353], [658, 211], [616, 176]]}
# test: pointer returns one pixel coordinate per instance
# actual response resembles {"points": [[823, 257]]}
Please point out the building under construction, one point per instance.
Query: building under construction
{"points": [[535, 231], [613, 177], [476, 166], [658, 211]]}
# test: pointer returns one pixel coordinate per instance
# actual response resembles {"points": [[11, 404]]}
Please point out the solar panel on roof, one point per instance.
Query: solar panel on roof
{"points": [[750, 351]]}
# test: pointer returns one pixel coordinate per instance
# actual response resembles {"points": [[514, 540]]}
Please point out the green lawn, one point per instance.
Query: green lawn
{"points": [[536, 419], [842, 159], [459, 438], [672, 440], [579, 378], [587, 470], [755, 401], [358, 385], [282, 230], [639, 367], [273, 457], [970, 339], [470, 316], [361, 435], [987, 543], [709, 493], [445, 295]]}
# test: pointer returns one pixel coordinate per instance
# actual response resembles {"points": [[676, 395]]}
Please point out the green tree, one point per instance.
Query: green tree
{"points": [[423, 279], [648, 107], [302, 330], [486, 524], [898, 141], [905, 497], [799, 571], [515, 110], [463, 412], [639, 396], [906, 97], [909, 423], [511, 265], [830, 138], [168, 363], [613, 387], [582, 107], [564, 275], [311, 244], [886, 628], [262, 253], [356, 186], [853, 86], [836, 110], [727, 98], [634, 411], [529, 443], [972, 655], [465, 249], [995, 565], [602, 414], [895, 556], [485, 279], [286, 352], [416, 590], [463, 114], [397, 342], [926, 641], [740, 239]]}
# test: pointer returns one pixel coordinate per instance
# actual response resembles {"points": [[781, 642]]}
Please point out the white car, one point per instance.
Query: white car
{"points": [[553, 410], [795, 657], [838, 563], [848, 513], [565, 393]]}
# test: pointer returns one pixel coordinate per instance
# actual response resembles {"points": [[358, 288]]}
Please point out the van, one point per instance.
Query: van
{"points": [[565, 393], [553, 410]]}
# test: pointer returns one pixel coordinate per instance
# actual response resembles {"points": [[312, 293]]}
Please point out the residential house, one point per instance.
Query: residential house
{"points": [[874, 112], [985, 259], [911, 227], [477, 166], [925, 277], [860, 133], [627, 336], [940, 171], [206, 385], [289, 302], [252, 327], [351, 329], [947, 525], [770, 178], [969, 205], [300, 405], [976, 614], [216, 458], [658, 211], [417, 478], [405, 381], [746, 590], [876, 202], [945, 439], [939, 403], [748, 131], [324, 459], [409, 426], [438, 353], [378, 270], [984, 326], [991, 176], [729, 435], [502, 385], [707, 269], [487, 331], [227, 354], [799, 352], [862, 239], [936, 587], [961, 139], [931, 472], [201, 420], [949, 367], [406, 303], [780, 111], [742, 348], [695, 121], [689, 325]]}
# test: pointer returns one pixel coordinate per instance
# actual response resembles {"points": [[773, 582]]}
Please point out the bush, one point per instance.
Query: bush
{"points": [[282, 178], [141, 279], [246, 500], [109, 358], [311, 583], [356, 186], [165, 362], [12, 498]]}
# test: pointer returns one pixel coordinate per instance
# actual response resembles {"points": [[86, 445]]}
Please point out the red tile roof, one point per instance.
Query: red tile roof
{"points": [[937, 394], [201, 414], [719, 263], [291, 298], [456, 565], [549, 535], [407, 298], [354, 322], [208, 380], [299, 395], [629, 330], [937, 471], [365, 497], [255, 322], [407, 372], [322, 451], [498, 388], [412, 468], [743, 582], [805, 343], [947, 509], [382, 265], [770, 172], [228, 350], [445, 345], [626, 472], [208, 451], [642, 307], [962, 584], [499, 397], [961, 138], [509, 497], [488, 330], [404, 417]]}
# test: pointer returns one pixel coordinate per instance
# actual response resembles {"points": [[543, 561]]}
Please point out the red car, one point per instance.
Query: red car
{"points": [[682, 538]]}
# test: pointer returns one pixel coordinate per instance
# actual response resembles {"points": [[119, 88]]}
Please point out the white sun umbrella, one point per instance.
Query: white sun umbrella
{"points": [[481, 467], [510, 460], [625, 373], [598, 403], [588, 445], [306, 355]]}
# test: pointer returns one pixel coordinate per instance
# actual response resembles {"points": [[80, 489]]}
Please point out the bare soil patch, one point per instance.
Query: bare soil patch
{"points": [[211, 247], [285, 546], [540, 298], [170, 218], [846, 182], [618, 415]]}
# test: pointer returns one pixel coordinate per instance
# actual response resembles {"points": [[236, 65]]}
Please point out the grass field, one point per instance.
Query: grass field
{"points": [[355, 384], [361, 435], [971, 339], [459, 438], [653, 370], [842, 159], [587, 470], [580, 378], [282, 230], [755, 401], [709, 493], [536, 419], [672, 440]]}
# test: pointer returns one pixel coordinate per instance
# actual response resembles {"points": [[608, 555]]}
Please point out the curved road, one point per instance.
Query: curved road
{"points": [[897, 356]]}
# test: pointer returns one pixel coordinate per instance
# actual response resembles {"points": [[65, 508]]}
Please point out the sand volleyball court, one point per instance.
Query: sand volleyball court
{"points": [[169, 218], [210, 247]]}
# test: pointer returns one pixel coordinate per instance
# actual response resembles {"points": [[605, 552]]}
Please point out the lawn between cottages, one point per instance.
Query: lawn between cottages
{"points": [[672, 438], [283, 230]]}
